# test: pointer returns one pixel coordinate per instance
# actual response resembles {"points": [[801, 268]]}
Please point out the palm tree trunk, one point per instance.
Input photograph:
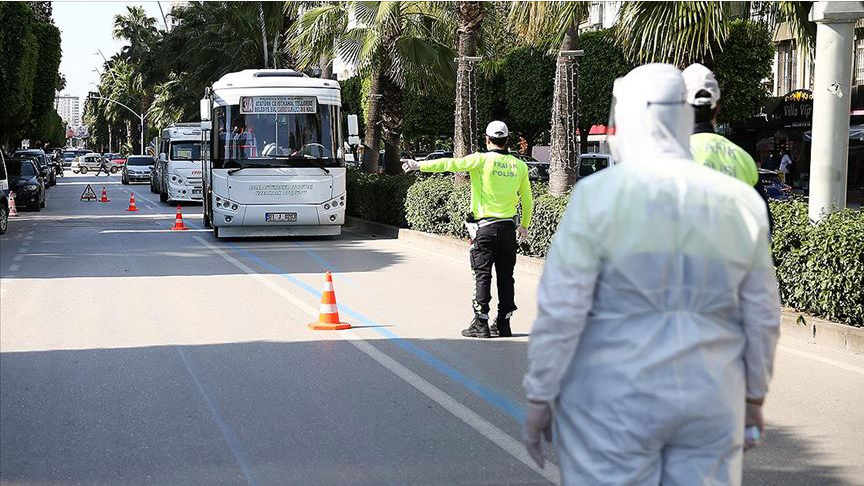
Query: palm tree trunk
{"points": [[469, 14], [391, 125], [372, 139], [564, 151], [326, 67]]}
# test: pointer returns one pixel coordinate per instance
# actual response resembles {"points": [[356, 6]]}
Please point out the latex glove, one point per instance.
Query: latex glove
{"points": [[521, 232], [538, 421], [410, 165], [753, 418]]}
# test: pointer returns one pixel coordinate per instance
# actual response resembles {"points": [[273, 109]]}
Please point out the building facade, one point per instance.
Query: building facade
{"points": [[69, 109]]}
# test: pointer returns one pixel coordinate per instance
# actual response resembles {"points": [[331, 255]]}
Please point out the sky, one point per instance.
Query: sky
{"points": [[86, 27]]}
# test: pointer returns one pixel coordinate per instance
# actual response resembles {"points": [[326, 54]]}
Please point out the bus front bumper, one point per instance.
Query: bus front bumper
{"points": [[305, 219]]}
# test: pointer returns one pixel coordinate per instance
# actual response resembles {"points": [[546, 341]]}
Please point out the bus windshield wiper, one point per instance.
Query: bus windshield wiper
{"points": [[254, 166]]}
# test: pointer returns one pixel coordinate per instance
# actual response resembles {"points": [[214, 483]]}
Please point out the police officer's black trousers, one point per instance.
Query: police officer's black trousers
{"points": [[494, 245]]}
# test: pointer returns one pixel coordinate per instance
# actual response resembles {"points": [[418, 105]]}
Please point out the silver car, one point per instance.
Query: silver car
{"points": [[137, 169]]}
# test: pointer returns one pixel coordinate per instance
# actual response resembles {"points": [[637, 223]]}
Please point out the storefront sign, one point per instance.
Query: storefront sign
{"points": [[797, 109]]}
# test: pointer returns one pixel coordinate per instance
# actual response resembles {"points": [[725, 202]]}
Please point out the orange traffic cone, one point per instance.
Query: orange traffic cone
{"points": [[132, 202], [328, 314], [178, 221], [104, 195], [13, 210]]}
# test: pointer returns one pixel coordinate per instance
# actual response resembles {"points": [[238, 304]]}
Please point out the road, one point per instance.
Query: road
{"points": [[131, 354]]}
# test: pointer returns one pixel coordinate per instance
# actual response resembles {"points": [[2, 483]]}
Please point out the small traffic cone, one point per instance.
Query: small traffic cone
{"points": [[178, 221], [328, 314], [104, 195], [13, 210], [132, 202]]}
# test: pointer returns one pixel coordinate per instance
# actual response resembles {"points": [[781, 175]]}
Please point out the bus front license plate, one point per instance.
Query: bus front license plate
{"points": [[280, 217]]}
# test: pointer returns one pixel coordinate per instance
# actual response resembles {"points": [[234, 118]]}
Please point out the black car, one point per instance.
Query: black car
{"points": [[43, 162], [27, 182], [774, 187]]}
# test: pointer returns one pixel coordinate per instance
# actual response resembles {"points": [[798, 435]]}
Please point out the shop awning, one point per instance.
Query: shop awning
{"points": [[856, 132]]}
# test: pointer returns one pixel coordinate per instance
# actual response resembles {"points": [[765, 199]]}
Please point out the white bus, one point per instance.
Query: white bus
{"points": [[177, 174], [275, 163]]}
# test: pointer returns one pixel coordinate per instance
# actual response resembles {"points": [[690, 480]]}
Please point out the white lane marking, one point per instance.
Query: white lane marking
{"points": [[816, 357], [154, 231], [14, 267], [109, 216], [97, 183], [460, 411], [18, 258]]}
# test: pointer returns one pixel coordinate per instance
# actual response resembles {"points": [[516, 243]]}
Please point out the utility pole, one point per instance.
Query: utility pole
{"points": [[829, 156], [140, 116]]}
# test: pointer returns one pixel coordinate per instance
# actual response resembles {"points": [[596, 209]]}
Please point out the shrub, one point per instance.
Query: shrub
{"points": [[548, 211], [458, 207], [820, 268], [425, 206], [378, 197]]}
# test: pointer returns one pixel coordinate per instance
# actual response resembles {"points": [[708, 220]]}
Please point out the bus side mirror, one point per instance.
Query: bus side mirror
{"points": [[353, 126], [206, 125], [205, 109]]}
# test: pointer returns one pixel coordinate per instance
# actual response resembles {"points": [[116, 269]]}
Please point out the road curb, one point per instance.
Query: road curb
{"points": [[822, 333], [429, 241], [792, 324]]}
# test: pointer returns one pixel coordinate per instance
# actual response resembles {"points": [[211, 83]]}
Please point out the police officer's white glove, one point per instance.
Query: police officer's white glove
{"points": [[538, 422], [410, 165]]}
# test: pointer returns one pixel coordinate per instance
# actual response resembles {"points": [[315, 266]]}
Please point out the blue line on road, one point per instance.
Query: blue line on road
{"points": [[231, 439], [497, 400]]}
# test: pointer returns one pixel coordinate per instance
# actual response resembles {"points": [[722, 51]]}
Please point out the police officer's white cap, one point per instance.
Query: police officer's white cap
{"points": [[698, 78], [497, 129]]}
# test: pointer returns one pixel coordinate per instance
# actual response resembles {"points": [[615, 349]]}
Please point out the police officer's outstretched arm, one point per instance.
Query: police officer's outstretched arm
{"points": [[461, 164], [563, 300]]}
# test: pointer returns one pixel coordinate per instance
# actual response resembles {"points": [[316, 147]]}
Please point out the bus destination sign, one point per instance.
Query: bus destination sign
{"points": [[276, 105]]}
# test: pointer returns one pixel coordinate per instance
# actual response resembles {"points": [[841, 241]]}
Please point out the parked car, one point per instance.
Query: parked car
{"points": [[4, 196], [137, 168], [68, 157], [46, 166], [438, 154], [592, 162], [774, 187], [27, 183], [119, 160]]}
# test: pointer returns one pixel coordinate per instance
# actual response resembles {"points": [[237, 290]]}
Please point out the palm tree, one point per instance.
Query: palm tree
{"points": [[555, 24], [138, 29], [396, 44], [681, 33]]}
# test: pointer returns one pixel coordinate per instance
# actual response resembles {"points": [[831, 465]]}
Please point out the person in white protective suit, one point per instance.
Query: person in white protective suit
{"points": [[658, 308]]}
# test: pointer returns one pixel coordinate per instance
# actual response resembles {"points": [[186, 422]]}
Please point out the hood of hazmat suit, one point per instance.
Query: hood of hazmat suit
{"points": [[658, 306]]}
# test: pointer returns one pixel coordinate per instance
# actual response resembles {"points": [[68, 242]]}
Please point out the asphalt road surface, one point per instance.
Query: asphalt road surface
{"points": [[131, 354]]}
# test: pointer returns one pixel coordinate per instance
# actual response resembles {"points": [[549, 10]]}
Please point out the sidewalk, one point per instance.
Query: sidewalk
{"points": [[793, 324]]}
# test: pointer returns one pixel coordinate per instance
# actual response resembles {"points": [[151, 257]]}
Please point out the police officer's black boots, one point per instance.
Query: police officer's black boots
{"points": [[501, 327], [479, 328]]}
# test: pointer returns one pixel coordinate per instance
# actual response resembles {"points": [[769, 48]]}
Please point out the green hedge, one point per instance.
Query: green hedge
{"points": [[378, 197], [820, 268]]}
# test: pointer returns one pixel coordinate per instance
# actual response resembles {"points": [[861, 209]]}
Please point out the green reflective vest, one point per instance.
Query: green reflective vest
{"points": [[498, 182], [720, 154]]}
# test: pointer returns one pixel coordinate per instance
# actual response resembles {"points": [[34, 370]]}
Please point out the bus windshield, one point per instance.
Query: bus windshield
{"points": [[185, 150], [305, 139]]}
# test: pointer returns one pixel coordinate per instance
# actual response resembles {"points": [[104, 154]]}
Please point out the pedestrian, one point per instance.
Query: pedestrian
{"points": [[499, 181], [658, 309], [709, 148], [785, 163], [103, 165]]}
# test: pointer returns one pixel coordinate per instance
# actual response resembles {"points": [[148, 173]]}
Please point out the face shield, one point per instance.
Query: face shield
{"points": [[649, 117]]}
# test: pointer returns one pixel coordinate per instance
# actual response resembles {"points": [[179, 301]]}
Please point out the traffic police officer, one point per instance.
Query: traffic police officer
{"points": [[498, 182], [709, 148]]}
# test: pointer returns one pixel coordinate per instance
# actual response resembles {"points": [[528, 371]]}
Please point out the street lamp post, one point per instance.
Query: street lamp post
{"points": [[835, 31], [140, 116]]}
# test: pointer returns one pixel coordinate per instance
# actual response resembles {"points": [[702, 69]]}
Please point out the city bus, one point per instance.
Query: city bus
{"points": [[177, 173], [274, 165]]}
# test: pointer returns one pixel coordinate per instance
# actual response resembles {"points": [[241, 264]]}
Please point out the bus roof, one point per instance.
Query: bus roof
{"points": [[271, 78]]}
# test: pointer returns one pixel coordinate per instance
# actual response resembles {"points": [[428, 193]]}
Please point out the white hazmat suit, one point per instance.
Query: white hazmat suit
{"points": [[658, 306]]}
